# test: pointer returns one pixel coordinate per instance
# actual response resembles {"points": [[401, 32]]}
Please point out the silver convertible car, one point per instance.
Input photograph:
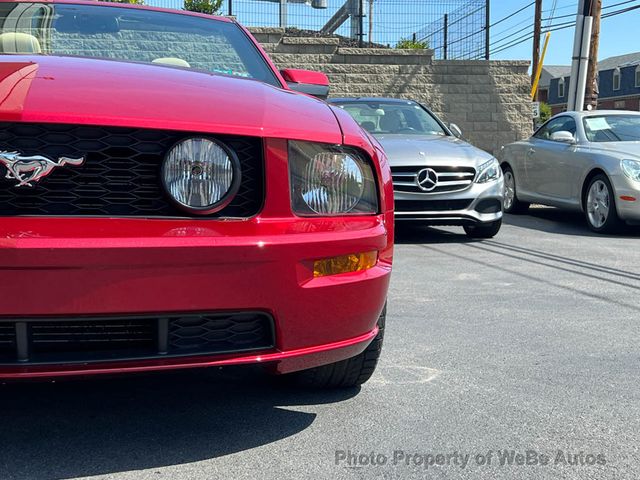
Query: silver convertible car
{"points": [[584, 161], [438, 179]]}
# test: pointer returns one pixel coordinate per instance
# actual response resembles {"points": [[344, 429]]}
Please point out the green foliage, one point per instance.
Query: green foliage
{"points": [[414, 44], [545, 112], [212, 7]]}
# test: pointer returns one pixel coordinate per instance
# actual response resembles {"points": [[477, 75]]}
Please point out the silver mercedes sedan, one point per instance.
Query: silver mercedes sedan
{"points": [[583, 161], [438, 179]]}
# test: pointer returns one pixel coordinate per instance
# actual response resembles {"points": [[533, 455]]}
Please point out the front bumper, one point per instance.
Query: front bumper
{"points": [[627, 198], [73, 268], [480, 203]]}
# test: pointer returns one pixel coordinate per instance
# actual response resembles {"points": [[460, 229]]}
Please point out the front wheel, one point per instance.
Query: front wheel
{"points": [[600, 206], [346, 373], [511, 203], [488, 230]]}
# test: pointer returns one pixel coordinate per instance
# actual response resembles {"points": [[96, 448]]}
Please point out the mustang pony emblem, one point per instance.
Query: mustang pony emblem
{"points": [[31, 169]]}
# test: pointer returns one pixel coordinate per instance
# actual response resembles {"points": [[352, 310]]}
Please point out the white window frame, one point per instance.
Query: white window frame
{"points": [[561, 88], [638, 76], [617, 77]]}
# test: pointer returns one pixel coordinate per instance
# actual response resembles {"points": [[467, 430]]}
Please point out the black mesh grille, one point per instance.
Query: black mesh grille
{"points": [[92, 336], [7, 341], [120, 175], [63, 341], [431, 205], [218, 333]]}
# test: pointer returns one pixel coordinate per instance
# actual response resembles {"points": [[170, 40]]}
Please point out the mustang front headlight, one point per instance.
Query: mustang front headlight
{"points": [[631, 169], [489, 171], [201, 175], [330, 180]]}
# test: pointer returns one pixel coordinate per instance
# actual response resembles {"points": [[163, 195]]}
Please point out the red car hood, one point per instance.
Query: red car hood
{"points": [[105, 92]]}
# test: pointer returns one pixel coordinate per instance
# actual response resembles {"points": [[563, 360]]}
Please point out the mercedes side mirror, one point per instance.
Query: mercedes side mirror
{"points": [[455, 129], [563, 136], [307, 81]]}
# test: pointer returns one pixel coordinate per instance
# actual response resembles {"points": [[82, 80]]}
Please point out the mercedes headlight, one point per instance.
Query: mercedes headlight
{"points": [[631, 169], [489, 171], [330, 180], [201, 175]]}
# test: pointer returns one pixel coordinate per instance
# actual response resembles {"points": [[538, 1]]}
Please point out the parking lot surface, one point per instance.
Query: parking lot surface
{"points": [[524, 344]]}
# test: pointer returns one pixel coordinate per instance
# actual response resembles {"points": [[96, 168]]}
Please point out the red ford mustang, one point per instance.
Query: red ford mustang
{"points": [[167, 200]]}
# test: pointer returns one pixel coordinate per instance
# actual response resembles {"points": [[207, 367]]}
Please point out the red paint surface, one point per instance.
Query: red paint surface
{"points": [[305, 76], [79, 266]]}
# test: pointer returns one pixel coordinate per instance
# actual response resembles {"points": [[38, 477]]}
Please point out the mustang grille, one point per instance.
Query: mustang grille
{"points": [[450, 179], [108, 339], [120, 175]]}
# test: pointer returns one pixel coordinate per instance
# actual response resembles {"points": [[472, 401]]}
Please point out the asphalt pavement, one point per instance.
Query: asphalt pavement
{"points": [[511, 358]]}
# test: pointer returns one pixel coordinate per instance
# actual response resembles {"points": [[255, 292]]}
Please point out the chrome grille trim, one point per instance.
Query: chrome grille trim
{"points": [[450, 178]]}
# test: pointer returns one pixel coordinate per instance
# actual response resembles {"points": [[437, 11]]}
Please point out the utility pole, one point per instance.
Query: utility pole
{"points": [[580, 59], [591, 96], [537, 31]]}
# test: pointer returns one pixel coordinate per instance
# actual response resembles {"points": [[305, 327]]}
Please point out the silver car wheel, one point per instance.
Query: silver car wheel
{"points": [[598, 204], [509, 189]]}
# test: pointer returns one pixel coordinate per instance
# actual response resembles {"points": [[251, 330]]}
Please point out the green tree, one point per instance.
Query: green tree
{"points": [[545, 112], [211, 7], [414, 44]]}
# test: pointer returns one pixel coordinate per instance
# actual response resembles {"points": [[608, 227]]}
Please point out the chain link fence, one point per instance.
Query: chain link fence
{"points": [[378, 23]]}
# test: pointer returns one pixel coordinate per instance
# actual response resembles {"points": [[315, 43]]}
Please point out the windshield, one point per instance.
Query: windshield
{"points": [[612, 128], [131, 34], [393, 118]]}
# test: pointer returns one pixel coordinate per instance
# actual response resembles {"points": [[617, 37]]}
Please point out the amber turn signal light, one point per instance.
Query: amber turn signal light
{"points": [[354, 262]]}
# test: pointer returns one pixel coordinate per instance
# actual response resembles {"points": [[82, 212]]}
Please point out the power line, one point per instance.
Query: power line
{"points": [[561, 26], [572, 15], [512, 14]]}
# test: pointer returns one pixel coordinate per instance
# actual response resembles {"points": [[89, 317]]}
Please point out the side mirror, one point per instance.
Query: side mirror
{"points": [[563, 136], [307, 81], [455, 129]]}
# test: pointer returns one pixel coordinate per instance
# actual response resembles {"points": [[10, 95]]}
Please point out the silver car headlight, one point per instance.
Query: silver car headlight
{"points": [[201, 175], [489, 171], [631, 169], [330, 180]]}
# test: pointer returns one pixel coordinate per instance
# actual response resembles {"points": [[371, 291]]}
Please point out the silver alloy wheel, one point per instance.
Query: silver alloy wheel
{"points": [[509, 189], [598, 204]]}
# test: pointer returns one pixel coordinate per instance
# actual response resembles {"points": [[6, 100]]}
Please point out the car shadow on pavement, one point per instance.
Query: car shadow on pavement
{"points": [[99, 426], [563, 222], [415, 233]]}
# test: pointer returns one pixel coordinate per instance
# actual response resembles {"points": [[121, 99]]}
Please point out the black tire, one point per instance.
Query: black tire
{"points": [[483, 230], [351, 372], [612, 224], [516, 205]]}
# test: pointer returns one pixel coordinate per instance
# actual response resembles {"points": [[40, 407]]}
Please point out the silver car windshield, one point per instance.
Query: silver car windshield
{"points": [[393, 118], [612, 128], [139, 35]]}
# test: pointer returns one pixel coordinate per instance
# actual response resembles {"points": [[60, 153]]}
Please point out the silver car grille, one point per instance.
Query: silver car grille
{"points": [[449, 179]]}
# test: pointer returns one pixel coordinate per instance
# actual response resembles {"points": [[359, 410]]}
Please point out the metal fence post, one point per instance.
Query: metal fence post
{"points": [[487, 11], [445, 34], [230, 8], [283, 13], [361, 23]]}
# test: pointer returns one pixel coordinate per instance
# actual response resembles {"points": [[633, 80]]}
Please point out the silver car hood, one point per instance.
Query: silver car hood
{"points": [[620, 149], [431, 150]]}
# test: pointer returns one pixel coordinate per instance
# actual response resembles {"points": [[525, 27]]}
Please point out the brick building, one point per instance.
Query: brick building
{"points": [[618, 84]]}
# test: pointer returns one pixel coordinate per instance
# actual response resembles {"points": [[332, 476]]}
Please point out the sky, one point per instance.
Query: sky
{"points": [[618, 34]]}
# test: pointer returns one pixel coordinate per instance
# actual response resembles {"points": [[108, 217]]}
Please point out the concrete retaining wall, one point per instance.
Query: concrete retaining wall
{"points": [[488, 100]]}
